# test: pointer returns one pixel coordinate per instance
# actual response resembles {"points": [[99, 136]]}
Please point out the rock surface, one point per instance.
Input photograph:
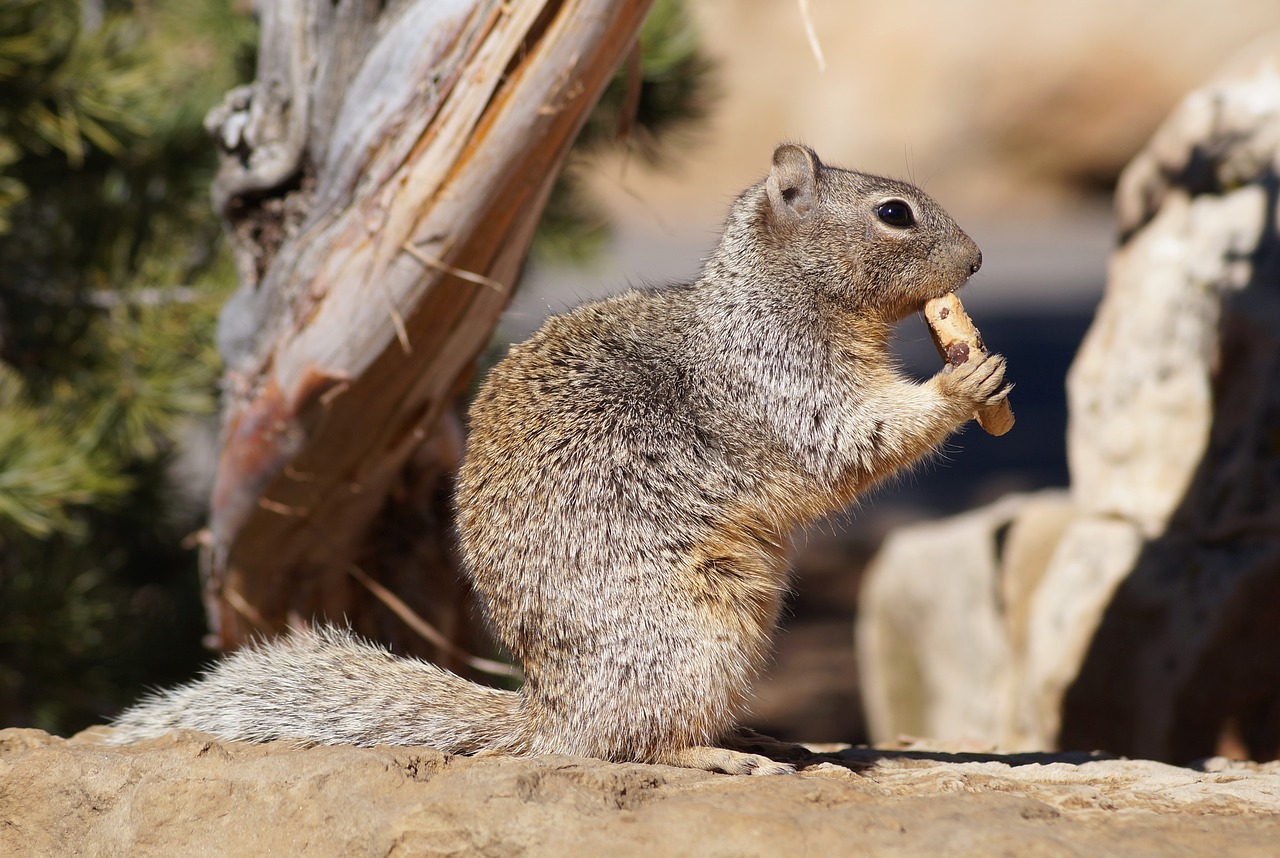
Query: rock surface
{"points": [[189, 795], [936, 623], [1138, 615]]}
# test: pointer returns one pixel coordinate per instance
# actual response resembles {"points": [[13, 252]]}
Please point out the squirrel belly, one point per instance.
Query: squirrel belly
{"points": [[634, 472]]}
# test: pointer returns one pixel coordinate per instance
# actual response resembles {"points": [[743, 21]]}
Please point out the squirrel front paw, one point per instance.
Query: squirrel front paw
{"points": [[975, 384]]}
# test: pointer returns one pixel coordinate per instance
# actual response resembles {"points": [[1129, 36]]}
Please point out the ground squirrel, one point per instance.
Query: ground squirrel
{"points": [[634, 472]]}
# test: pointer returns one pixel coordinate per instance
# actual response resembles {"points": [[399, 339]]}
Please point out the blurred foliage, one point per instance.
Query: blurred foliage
{"points": [[655, 102], [112, 272], [652, 107], [112, 269]]}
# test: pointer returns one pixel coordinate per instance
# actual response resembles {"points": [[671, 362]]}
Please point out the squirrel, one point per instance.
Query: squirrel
{"points": [[633, 475]]}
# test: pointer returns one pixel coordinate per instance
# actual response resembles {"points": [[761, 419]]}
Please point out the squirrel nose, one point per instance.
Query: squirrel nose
{"points": [[973, 269]]}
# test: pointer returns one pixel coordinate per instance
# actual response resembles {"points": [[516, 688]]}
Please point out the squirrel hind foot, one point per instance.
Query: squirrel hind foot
{"points": [[749, 741], [713, 759]]}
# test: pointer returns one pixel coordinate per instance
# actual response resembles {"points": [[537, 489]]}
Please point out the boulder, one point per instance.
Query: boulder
{"points": [[1136, 614], [926, 639]]}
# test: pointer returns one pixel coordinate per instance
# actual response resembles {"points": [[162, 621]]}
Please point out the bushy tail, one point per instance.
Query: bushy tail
{"points": [[328, 687]]}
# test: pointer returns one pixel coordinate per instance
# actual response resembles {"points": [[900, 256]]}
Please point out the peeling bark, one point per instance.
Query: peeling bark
{"points": [[381, 181]]}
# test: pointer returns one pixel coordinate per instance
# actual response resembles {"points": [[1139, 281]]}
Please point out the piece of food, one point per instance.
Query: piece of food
{"points": [[957, 338]]}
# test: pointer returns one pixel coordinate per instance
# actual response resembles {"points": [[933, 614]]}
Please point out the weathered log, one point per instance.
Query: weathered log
{"points": [[381, 180]]}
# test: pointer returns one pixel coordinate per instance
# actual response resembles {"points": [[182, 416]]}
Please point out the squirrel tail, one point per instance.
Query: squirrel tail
{"points": [[329, 687]]}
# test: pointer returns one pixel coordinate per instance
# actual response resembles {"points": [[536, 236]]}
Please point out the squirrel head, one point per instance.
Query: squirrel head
{"points": [[878, 244]]}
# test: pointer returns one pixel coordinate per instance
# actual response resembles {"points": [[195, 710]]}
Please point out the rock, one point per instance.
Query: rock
{"points": [[946, 608], [188, 794], [1138, 615], [939, 633]]}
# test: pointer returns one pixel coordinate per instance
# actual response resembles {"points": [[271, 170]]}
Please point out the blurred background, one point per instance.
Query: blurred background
{"points": [[1017, 117]]}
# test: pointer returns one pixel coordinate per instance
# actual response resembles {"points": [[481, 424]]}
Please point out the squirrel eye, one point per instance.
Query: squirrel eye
{"points": [[896, 213]]}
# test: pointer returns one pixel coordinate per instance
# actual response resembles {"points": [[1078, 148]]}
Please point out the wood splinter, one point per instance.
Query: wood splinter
{"points": [[956, 338]]}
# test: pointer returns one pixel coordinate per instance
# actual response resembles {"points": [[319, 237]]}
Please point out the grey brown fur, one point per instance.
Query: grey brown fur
{"points": [[634, 473]]}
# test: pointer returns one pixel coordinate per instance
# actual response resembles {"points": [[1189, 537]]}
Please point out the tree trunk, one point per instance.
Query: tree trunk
{"points": [[381, 180]]}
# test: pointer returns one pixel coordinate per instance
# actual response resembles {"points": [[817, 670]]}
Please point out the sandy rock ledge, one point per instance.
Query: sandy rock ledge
{"points": [[187, 794]]}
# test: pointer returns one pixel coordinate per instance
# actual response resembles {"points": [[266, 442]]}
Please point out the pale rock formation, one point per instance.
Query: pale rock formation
{"points": [[1139, 615]]}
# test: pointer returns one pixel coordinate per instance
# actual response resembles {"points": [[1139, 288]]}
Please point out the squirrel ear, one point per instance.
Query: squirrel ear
{"points": [[793, 181]]}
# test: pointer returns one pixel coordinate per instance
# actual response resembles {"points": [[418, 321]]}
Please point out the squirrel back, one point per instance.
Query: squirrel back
{"points": [[633, 475]]}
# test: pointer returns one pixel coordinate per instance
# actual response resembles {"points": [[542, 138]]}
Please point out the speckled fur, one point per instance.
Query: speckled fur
{"points": [[634, 473]]}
